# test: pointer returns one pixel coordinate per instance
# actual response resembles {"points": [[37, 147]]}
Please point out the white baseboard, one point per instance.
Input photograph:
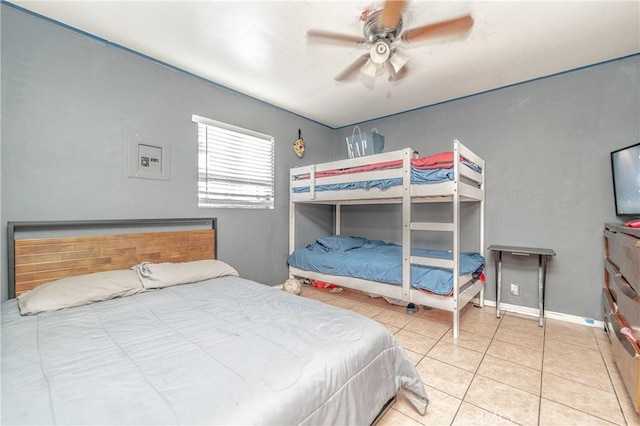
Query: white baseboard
{"points": [[533, 312]]}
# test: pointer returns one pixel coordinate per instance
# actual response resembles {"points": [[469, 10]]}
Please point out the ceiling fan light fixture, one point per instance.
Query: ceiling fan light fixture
{"points": [[398, 60], [380, 52], [370, 69]]}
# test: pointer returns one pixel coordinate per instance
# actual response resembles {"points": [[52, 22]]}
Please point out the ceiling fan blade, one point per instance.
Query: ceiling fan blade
{"points": [[327, 37], [391, 13], [457, 26], [353, 68]]}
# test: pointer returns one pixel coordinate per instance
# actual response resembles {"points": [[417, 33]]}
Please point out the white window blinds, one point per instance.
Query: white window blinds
{"points": [[235, 166]]}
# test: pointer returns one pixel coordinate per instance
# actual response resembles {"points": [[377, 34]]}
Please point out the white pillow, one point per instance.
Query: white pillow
{"points": [[159, 275], [79, 290]]}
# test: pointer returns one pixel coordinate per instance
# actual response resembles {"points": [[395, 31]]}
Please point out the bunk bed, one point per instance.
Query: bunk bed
{"points": [[399, 177]]}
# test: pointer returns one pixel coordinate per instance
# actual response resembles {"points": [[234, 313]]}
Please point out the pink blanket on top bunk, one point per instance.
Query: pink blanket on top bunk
{"points": [[443, 160]]}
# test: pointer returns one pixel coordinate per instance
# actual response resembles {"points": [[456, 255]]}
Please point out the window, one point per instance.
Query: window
{"points": [[235, 166]]}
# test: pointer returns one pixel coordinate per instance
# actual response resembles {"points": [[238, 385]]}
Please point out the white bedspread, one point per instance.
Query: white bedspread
{"points": [[221, 351]]}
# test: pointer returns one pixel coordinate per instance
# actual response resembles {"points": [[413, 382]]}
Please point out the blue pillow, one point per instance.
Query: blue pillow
{"points": [[341, 243]]}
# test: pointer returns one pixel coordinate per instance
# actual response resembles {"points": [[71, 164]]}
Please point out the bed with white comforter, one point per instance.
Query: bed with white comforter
{"points": [[221, 351]]}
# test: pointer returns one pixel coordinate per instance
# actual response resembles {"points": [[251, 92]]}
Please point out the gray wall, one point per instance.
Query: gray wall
{"points": [[547, 145], [70, 101]]}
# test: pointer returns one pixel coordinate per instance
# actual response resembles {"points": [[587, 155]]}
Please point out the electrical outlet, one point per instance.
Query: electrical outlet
{"points": [[515, 289]]}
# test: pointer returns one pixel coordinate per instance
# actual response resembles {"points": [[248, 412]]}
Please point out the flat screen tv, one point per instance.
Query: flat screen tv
{"points": [[625, 166]]}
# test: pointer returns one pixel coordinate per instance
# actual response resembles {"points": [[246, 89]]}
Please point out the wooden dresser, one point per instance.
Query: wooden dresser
{"points": [[622, 302]]}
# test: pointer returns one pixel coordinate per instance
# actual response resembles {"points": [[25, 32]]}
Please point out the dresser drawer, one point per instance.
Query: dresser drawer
{"points": [[623, 251], [626, 355], [625, 298]]}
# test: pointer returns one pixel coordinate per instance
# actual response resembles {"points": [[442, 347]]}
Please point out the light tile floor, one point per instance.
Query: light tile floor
{"points": [[499, 371]]}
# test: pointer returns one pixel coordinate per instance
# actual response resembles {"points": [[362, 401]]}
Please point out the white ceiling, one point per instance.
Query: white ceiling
{"points": [[259, 48]]}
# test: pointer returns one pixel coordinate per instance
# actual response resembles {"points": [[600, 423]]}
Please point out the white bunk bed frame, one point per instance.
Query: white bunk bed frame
{"points": [[467, 186]]}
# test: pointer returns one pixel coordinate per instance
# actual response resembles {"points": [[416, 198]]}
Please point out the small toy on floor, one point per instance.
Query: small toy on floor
{"points": [[321, 284], [292, 285]]}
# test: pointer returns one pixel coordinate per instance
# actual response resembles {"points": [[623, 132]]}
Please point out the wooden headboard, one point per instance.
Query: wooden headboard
{"points": [[98, 246]]}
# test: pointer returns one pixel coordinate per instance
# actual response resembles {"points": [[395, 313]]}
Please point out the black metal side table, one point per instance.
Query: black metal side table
{"points": [[543, 255]]}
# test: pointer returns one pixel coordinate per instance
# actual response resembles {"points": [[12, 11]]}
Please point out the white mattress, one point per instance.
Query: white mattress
{"points": [[221, 351]]}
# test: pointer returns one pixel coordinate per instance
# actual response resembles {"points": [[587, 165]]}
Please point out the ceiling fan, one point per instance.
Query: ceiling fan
{"points": [[382, 36]]}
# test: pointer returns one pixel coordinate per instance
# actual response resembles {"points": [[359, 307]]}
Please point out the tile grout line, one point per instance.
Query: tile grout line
{"points": [[582, 411], [615, 392], [475, 374]]}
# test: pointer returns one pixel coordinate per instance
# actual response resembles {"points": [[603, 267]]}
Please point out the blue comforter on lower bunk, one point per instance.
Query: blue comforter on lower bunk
{"points": [[375, 260]]}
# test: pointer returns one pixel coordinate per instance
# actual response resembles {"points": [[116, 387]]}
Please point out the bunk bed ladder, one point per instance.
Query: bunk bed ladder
{"points": [[482, 231], [456, 240], [454, 228], [476, 193], [406, 224]]}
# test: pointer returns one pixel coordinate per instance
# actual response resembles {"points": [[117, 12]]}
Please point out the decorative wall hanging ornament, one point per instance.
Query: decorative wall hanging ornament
{"points": [[298, 145]]}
